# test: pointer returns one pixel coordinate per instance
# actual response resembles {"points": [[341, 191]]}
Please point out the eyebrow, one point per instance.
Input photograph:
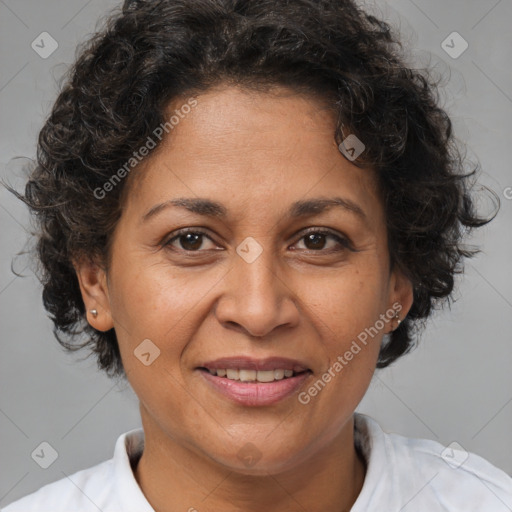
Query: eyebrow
{"points": [[214, 209]]}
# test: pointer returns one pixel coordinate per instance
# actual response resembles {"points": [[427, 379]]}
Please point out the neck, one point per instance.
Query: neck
{"points": [[175, 477]]}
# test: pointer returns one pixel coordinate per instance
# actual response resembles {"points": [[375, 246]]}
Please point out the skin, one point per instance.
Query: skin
{"points": [[257, 153]]}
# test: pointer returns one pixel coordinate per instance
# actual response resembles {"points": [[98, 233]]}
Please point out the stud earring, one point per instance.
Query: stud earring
{"points": [[94, 312], [398, 321]]}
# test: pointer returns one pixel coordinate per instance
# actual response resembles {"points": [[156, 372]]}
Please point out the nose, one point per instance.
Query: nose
{"points": [[257, 297]]}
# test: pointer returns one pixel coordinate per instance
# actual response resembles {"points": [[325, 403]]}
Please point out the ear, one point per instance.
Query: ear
{"points": [[400, 292], [94, 288]]}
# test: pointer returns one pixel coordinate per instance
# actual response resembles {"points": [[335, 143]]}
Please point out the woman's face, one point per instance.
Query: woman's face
{"points": [[252, 281]]}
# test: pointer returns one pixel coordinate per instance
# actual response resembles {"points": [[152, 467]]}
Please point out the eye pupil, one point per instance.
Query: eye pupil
{"points": [[318, 240], [193, 240], [189, 238]]}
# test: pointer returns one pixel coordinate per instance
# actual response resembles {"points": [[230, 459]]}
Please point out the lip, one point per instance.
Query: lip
{"points": [[250, 363], [254, 393]]}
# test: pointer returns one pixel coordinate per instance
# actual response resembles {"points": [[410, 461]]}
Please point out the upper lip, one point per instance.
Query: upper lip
{"points": [[249, 363]]}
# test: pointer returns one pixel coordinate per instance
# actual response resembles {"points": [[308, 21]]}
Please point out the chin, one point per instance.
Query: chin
{"points": [[252, 461]]}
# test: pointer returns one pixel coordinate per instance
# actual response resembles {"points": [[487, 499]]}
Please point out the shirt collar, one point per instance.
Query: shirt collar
{"points": [[380, 486], [128, 449]]}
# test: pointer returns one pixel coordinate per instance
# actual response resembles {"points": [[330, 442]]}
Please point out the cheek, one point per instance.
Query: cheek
{"points": [[344, 314], [347, 302], [345, 311], [156, 312], [153, 299], [158, 303]]}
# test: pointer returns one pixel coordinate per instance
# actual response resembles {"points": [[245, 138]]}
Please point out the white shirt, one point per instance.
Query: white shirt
{"points": [[403, 475]]}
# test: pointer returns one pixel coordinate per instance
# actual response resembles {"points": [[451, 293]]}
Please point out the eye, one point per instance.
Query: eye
{"points": [[189, 240], [192, 240], [315, 240]]}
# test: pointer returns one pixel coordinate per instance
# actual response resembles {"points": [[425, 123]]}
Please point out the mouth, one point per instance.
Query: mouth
{"points": [[253, 382], [245, 375]]}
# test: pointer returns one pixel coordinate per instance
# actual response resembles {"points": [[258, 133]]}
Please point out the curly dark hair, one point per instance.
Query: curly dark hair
{"points": [[154, 51]]}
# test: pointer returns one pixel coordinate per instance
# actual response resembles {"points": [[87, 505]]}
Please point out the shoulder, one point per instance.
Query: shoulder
{"points": [[451, 476], [109, 486], [425, 475], [83, 490]]}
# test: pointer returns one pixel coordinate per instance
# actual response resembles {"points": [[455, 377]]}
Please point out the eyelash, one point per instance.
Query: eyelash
{"points": [[343, 241]]}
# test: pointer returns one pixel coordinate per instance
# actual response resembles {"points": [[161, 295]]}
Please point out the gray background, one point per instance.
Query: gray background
{"points": [[456, 386]]}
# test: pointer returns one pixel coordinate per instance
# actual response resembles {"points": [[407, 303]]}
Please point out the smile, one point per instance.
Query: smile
{"points": [[254, 388], [253, 375]]}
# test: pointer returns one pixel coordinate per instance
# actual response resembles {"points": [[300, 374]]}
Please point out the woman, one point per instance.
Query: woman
{"points": [[247, 207]]}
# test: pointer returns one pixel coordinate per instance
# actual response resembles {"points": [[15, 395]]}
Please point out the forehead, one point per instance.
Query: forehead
{"points": [[252, 149]]}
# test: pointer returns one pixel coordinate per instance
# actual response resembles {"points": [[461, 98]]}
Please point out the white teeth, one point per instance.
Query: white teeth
{"points": [[278, 374], [265, 376], [232, 374], [247, 375], [253, 375]]}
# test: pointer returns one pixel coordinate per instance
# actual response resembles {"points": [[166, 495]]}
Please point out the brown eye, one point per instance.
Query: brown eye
{"points": [[318, 239], [315, 241], [187, 240], [191, 241]]}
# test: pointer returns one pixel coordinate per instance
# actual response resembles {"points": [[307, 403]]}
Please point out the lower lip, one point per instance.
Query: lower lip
{"points": [[255, 393]]}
